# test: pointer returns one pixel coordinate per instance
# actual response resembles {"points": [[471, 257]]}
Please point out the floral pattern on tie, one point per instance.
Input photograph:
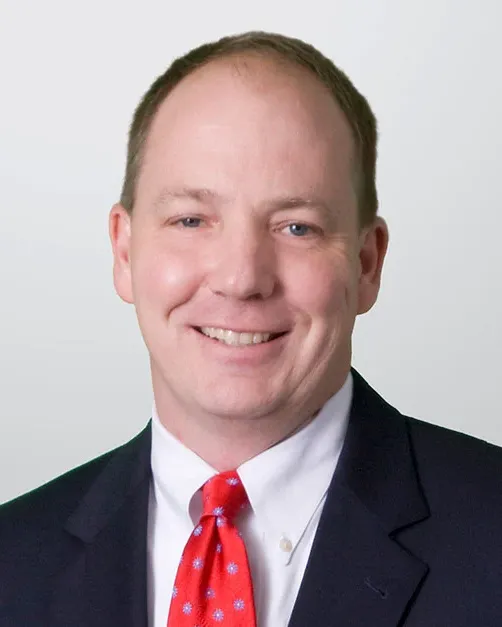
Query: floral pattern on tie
{"points": [[213, 583]]}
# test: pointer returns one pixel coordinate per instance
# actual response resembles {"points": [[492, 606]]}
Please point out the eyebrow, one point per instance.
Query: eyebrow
{"points": [[208, 196], [200, 194]]}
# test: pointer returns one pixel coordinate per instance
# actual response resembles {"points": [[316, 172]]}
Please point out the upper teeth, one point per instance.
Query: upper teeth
{"points": [[234, 338]]}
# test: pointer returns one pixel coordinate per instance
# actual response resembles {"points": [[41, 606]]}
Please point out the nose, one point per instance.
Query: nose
{"points": [[242, 265]]}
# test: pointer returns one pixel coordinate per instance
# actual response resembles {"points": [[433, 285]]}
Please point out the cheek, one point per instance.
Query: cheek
{"points": [[323, 291], [162, 280]]}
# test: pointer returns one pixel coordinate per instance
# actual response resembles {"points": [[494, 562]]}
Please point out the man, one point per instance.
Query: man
{"points": [[272, 486]]}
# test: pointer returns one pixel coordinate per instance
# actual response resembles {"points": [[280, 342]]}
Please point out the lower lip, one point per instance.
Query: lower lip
{"points": [[248, 355]]}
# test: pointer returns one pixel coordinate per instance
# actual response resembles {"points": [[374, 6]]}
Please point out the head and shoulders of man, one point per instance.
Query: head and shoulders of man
{"points": [[249, 205]]}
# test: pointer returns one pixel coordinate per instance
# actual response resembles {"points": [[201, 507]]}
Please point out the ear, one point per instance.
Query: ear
{"points": [[119, 226], [373, 243]]}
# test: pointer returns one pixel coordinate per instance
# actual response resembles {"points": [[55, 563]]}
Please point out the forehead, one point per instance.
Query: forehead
{"points": [[249, 121]]}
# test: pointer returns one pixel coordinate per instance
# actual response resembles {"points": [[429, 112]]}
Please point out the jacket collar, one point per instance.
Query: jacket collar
{"points": [[104, 582], [358, 572], [377, 463], [128, 469]]}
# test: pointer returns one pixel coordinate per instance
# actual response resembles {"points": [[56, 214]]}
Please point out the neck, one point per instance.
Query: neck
{"points": [[224, 442], [230, 445]]}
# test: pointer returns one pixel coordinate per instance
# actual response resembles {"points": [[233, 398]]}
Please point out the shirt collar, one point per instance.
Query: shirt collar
{"points": [[285, 484], [178, 472]]}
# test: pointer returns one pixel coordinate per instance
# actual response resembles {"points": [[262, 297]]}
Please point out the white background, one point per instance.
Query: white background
{"points": [[73, 370]]}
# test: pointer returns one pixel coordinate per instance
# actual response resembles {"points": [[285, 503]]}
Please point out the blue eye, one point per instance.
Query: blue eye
{"points": [[189, 222], [299, 229]]}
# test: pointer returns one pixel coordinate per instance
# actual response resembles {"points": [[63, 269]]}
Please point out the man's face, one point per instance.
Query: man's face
{"points": [[246, 220]]}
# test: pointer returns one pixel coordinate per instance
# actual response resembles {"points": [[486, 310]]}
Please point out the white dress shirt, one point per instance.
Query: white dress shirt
{"points": [[286, 486]]}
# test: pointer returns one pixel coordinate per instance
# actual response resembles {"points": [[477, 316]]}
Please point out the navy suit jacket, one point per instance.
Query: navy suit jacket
{"points": [[410, 535]]}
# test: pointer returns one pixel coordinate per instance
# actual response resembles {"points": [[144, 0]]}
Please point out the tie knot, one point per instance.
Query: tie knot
{"points": [[223, 496]]}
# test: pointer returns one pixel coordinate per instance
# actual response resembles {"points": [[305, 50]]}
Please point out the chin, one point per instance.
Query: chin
{"points": [[239, 405]]}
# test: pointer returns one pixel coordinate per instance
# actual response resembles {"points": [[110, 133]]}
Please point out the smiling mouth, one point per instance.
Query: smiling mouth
{"points": [[232, 338]]}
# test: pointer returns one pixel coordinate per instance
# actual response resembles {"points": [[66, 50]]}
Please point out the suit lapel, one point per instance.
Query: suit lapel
{"points": [[105, 582], [358, 573]]}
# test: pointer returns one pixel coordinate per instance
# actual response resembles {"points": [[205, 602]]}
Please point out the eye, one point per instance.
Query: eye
{"points": [[189, 222], [298, 229]]}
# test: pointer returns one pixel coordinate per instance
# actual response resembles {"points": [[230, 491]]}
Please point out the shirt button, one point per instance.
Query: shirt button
{"points": [[285, 544]]}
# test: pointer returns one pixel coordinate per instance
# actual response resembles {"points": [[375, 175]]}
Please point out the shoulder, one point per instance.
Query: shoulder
{"points": [[36, 534], [33, 544], [458, 455], [460, 475], [44, 510], [51, 502], [442, 457]]}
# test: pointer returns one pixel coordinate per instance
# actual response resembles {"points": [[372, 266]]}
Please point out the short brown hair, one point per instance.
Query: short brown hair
{"points": [[353, 104]]}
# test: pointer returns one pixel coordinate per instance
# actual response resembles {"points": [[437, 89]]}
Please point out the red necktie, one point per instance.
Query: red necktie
{"points": [[213, 583]]}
